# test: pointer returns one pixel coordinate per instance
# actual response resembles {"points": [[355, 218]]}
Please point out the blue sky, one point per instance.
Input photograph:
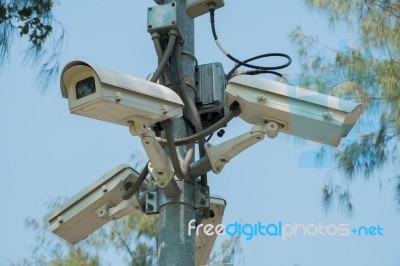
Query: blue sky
{"points": [[45, 152]]}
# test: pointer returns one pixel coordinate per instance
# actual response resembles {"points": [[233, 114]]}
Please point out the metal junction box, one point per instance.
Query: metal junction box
{"points": [[211, 86], [163, 18]]}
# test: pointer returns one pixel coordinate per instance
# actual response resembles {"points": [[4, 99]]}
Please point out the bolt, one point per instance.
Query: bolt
{"points": [[150, 196], [150, 207], [203, 201], [261, 98], [327, 116]]}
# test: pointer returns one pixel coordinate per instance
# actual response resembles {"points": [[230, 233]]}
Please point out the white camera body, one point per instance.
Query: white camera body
{"points": [[106, 95], [94, 206], [196, 8], [204, 243], [299, 112]]}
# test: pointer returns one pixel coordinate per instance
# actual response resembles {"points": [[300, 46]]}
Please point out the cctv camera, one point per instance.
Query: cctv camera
{"points": [[303, 113], [114, 97], [196, 8], [95, 206], [205, 242]]}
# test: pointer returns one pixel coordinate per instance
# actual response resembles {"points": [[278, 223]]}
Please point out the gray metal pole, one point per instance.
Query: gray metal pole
{"points": [[175, 246]]}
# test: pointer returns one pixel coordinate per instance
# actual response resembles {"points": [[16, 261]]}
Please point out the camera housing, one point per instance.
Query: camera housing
{"points": [[299, 112], [110, 96], [93, 207], [196, 8], [203, 242]]}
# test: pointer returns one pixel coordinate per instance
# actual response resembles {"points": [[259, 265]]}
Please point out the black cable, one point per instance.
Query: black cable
{"points": [[234, 111], [209, 137], [196, 62], [245, 63], [130, 188], [257, 72]]}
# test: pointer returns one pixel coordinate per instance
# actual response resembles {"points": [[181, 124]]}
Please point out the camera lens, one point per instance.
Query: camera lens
{"points": [[85, 87]]}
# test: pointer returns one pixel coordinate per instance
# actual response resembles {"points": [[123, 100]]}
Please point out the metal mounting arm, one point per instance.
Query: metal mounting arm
{"points": [[160, 165], [125, 207], [222, 153]]}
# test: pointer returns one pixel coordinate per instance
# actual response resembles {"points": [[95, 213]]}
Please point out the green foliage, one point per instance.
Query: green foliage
{"points": [[397, 189], [49, 250], [331, 192], [135, 236], [32, 19], [228, 251], [368, 71], [75, 257]]}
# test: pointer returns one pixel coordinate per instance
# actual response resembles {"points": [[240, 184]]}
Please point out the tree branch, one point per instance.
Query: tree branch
{"points": [[389, 9], [122, 239]]}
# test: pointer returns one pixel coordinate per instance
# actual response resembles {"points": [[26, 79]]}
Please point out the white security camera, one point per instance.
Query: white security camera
{"points": [[205, 242], [95, 206], [114, 97], [303, 113], [196, 8]]}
